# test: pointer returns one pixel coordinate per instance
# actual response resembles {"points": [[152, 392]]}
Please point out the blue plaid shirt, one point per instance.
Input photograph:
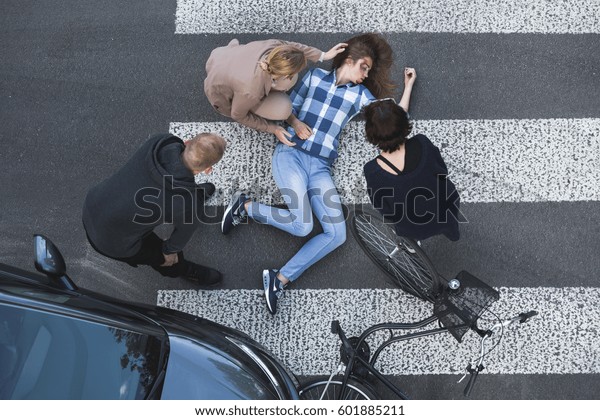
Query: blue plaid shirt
{"points": [[325, 108]]}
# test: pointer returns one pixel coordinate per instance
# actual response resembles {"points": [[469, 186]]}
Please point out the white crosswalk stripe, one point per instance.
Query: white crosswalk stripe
{"points": [[562, 339], [310, 16], [488, 160]]}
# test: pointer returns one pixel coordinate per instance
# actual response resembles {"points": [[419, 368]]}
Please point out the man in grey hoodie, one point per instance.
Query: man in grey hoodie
{"points": [[156, 186]]}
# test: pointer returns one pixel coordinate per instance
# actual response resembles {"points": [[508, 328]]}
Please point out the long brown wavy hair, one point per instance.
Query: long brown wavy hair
{"points": [[376, 47]]}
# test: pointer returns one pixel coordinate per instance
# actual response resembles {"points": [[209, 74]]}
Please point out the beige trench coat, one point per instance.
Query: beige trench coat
{"points": [[235, 83]]}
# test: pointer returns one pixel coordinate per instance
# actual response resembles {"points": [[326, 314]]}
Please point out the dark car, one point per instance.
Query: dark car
{"points": [[60, 342]]}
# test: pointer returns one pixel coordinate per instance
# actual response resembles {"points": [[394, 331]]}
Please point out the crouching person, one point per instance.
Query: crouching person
{"points": [[156, 186]]}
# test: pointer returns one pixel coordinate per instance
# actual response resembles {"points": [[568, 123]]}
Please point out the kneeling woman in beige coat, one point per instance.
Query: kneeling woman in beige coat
{"points": [[247, 82]]}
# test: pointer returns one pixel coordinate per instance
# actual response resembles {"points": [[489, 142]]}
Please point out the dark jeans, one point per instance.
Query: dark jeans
{"points": [[151, 254]]}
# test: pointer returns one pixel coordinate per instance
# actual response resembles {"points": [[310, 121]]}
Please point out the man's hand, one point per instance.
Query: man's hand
{"points": [[410, 75], [302, 130], [283, 136], [170, 259], [334, 51]]}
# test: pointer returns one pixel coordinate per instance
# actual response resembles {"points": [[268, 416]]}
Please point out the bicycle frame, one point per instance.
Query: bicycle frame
{"points": [[354, 357]]}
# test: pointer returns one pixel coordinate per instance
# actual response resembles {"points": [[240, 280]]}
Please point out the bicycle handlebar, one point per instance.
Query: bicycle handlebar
{"points": [[474, 373], [335, 327], [521, 318], [524, 317]]}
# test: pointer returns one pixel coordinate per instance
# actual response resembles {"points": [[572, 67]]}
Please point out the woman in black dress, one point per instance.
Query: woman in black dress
{"points": [[408, 181]]}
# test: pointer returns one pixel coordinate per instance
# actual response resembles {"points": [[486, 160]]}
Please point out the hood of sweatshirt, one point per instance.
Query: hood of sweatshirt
{"points": [[164, 159]]}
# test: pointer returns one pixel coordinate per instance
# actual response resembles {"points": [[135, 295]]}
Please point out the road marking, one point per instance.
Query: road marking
{"points": [[528, 160], [562, 339], [326, 16]]}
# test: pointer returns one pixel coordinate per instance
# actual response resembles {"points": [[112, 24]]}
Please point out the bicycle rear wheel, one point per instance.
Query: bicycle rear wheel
{"points": [[402, 259], [313, 390]]}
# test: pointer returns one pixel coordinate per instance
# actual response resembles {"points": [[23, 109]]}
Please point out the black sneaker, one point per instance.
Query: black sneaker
{"points": [[273, 289], [234, 213], [204, 276]]}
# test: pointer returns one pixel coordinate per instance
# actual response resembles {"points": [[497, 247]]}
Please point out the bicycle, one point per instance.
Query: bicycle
{"points": [[458, 305], [400, 258]]}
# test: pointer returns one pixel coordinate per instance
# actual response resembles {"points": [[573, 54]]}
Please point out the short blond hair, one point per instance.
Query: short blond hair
{"points": [[285, 60], [205, 149]]}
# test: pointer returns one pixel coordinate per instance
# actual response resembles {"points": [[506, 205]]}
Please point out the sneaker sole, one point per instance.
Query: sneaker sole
{"points": [[266, 281], [266, 278], [234, 199]]}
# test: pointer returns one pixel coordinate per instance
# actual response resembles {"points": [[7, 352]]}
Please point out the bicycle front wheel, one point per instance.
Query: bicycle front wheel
{"points": [[323, 389], [402, 259]]}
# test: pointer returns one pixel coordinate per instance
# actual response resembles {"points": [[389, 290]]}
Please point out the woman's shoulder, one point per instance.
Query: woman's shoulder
{"points": [[366, 93], [378, 178], [371, 167], [428, 150], [252, 51], [422, 139], [319, 72], [369, 164], [272, 43], [315, 76]]}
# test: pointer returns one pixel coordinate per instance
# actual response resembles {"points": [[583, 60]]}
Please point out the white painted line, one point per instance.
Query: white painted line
{"points": [[334, 16], [562, 339], [489, 160]]}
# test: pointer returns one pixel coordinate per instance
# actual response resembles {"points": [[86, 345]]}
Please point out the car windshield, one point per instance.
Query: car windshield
{"points": [[46, 355]]}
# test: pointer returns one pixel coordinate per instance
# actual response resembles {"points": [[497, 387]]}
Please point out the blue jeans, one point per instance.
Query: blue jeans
{"points": [[306, 186]]}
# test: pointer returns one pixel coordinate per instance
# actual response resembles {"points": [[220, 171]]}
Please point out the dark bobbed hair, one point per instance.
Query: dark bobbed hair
{"points": [[387, 125], [376, 47]]}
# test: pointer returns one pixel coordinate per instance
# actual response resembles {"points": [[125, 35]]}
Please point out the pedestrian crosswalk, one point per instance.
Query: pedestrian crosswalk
{"points": [[331, 16], [562, 339], [539, 161]]}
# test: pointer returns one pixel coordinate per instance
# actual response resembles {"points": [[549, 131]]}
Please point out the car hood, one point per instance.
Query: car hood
{"points": [[196, 371]]}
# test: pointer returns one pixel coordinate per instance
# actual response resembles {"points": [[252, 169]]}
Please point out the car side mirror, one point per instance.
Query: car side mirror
{"points": [[48, 260]]}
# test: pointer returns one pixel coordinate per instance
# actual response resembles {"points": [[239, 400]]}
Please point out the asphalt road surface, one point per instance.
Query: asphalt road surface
{"points": [[84, 83]]}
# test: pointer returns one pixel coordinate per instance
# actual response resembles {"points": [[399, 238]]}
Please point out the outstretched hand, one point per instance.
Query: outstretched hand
{"points": [[410, 75], [338, 48]]}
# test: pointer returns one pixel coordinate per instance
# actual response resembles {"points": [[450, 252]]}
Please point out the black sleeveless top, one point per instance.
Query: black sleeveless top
{"points": [[412, 157], [420, 200]]}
